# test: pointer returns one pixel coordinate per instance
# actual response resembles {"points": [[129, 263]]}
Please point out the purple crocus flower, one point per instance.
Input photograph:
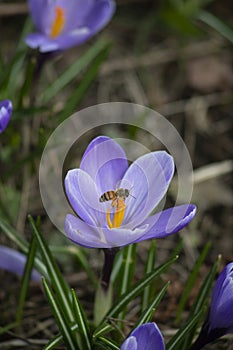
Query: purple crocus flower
{"points": [[104, 223], [220, 318], [5, 114], [221, 308], [145, 337], [62, 24], [13, 261]]}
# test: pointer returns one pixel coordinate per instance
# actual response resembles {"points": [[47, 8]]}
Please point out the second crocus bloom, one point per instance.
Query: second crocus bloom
{"points": [[145, 337], [220, 318], [61, 24]]}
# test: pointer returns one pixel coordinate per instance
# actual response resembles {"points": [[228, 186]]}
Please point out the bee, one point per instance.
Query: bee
{"points": [[117, 197]]}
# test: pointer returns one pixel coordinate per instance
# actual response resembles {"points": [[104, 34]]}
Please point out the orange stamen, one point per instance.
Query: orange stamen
{"points": [[58, 23], [118, 215]]}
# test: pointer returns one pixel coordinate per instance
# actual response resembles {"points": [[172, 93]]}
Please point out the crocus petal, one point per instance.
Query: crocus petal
{"points": [[39, 11], [5, 114], [106, 162], [129, 344], [75, 37], [169, 221], [43, 13], [83, 196], [147, 336], [13, 261], [91, 236], [222, 301], [83, 234], [100, 15], [38, 40], [149, 177], [76, 12]]}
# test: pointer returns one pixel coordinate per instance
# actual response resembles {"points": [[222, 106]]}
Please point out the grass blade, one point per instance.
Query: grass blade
{"points": [[201, 299], [26, 279], [79, 254], [22, 244], [54, 342], [78, 94], [82, 323], [127, 272], [61, 320], [148, 313], [137, 288], [104, 328], [174, 343], [216, 24], [150, 264], [110, 343], [56, 278], [191, 281], [71, 72]]}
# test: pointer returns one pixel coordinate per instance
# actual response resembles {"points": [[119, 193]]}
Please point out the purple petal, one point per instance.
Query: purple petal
{"points": [[148, 337], [222, 301], [75, 12], [41, 41], [91, 236], [5, 114], [84, 198], [149, 177], [169, 221], [106, 162], [129, 344], [83, 234], [75, 37], [13, 261], [43, 14], [62, 42], [100, 15]]}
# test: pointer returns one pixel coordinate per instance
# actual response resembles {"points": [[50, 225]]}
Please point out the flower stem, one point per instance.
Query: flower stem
{"points": [[198, 344], [109, 256], [206, 336]]}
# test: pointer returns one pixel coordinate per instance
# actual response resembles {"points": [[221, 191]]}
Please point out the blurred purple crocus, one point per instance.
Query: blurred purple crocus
{"points": [[145, 337], [221, 308], [13, 261], [5, 114], [220, 318], [103, 223], [61, 24]]}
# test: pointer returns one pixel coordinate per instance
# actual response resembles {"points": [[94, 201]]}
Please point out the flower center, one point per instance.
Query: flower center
{"points": [[58, 22], [118, 216]]}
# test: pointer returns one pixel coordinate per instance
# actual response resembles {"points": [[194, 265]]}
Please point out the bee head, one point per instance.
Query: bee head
{"points": [[127, 193]]}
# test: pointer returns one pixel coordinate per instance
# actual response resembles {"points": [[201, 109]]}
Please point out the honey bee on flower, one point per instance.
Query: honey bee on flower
{"points": [[116, 197]]}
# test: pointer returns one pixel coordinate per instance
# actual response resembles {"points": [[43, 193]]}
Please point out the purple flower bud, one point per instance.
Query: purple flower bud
{"points": [[220, 317], [5, 114], [145, 337], [13, 261], [221, 308], [62, 24]]}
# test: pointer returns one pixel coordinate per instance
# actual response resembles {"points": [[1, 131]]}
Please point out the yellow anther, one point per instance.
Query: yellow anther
{"points": [[58, 23], [118, 215]]}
